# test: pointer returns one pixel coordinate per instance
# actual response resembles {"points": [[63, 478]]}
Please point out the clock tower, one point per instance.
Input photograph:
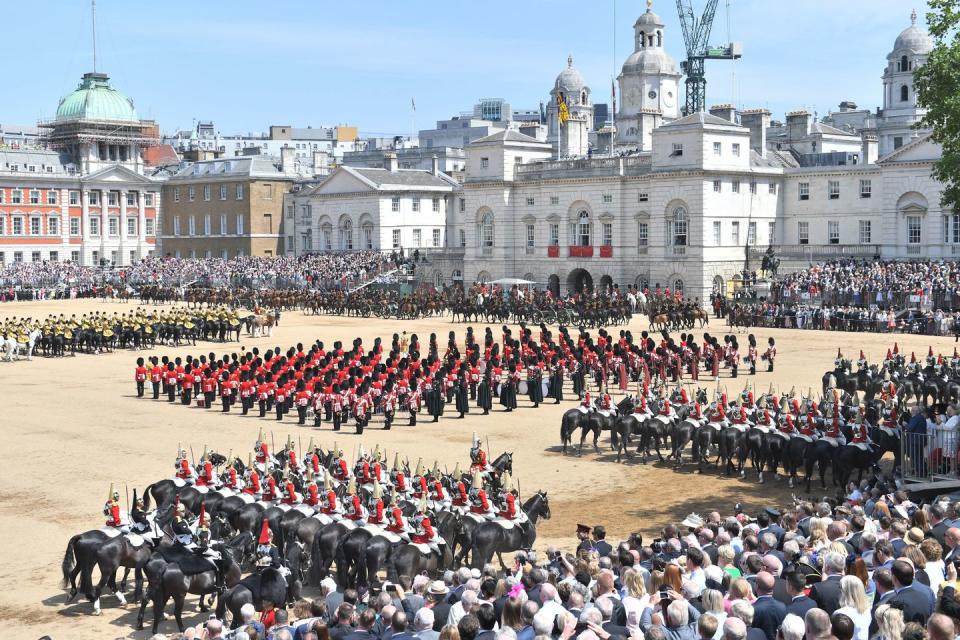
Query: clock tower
{"points": [[649, 85]]}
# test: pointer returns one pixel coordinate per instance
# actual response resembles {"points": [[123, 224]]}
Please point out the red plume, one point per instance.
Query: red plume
{"points": [[264, 533]]}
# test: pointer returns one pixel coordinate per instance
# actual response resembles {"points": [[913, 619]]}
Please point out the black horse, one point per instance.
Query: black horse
{"points": [[491, 538], [268, 585]]}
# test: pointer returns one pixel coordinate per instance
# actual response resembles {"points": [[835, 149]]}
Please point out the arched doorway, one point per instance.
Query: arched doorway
{"points": [[579, 281], [606, 284], [553, 285], [718, 284]]}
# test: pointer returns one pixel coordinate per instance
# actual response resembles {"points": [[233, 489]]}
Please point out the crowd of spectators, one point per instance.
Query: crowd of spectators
{"points": [[852, 318], [873, 566]]}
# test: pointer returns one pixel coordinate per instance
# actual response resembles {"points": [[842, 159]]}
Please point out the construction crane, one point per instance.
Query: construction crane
{"points": [[696, 33]]}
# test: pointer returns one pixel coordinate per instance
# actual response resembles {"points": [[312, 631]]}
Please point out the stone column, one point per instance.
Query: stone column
{"points": [[84, 224], [122, 226], [142, 224]]}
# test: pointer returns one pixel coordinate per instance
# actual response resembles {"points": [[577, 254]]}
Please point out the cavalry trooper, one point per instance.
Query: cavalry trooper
{"points": [[354, 507], [252, 480], [181, 528], [267, 553], [376, 507], [184, 469], [478, 457], [111, 509], [397, 524], [139, 523], [479, 504], [508, 502], [330, 506], [423, 532]]}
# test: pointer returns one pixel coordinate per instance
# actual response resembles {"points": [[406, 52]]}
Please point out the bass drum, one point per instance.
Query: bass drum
{"points": [[522, 388]]}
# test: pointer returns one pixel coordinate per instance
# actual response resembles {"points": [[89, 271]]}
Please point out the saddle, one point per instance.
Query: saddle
{"points": [[179, 482], [716, 426], [584, 410], [890, 431], [805, 437], [832, 441], [322, 517], [865, 446], [305, 509], [189, 562], [380, 531], [506, 524], [761, 428]]}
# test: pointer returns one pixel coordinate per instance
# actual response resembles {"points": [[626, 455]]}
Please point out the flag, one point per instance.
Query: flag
{"points": [[413, 105], [563, 114]]}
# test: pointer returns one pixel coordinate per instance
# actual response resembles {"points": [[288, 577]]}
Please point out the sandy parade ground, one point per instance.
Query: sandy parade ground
{"points": [[73, 425]]}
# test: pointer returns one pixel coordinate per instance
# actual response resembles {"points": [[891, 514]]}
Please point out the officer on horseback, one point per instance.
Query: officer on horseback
{"points": [[182, 534], [478, 457]]}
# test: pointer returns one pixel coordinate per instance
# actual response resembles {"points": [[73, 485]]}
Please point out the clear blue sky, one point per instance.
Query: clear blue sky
{"points": [[247, 64]]}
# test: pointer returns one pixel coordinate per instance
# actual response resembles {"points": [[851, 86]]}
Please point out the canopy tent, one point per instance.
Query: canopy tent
{"points": [[509, 282]]}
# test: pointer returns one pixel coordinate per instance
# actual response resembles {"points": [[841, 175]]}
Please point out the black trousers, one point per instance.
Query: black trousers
{"points": [[139, 388]]}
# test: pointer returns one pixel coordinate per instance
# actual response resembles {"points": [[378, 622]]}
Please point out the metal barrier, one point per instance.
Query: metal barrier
{"points": [[930, 457]]}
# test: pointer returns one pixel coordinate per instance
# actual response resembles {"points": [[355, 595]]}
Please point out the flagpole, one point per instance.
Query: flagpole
{"points": [[613, 86]]}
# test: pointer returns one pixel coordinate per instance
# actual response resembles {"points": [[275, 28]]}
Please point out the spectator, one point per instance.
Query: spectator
{"points": [[854, 605], [827, 592], [792, 628], [841, 626], [423, 625], [817, 624], [487, 619], [468, 626], [734, 629], [914, 603], [744, 610], [713, 607], [345, 620], [365, 622], [940, 627]]}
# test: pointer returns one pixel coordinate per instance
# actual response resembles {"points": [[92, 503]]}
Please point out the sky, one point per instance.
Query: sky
{"points": [[247, 64]]}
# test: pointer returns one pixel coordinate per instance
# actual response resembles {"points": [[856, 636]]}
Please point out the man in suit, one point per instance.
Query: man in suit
{"points": [[826, 593], [952, 548], [799, 602], [883, 580], [605, 605], [914, 603], [938, 526], [706, 544], [399, 628], [744, 611], [804, 512], [768, 546], [767, 612], [437, 601], [487, 617], [775, 568], [600, 543], [423, 625]]}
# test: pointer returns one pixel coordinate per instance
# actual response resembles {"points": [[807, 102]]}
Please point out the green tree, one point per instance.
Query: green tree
{"points": [[938, 90]]}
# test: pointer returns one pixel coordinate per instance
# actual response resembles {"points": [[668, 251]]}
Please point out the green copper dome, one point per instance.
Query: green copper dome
{"points": [[95, 99]]}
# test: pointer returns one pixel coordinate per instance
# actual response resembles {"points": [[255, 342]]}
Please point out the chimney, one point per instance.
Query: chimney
{"points": [[726, 111], [758, 121], [321, 163], [868, 147], [435, 165], [288, 159], [390, 162], [798, 125], [848, 105]]}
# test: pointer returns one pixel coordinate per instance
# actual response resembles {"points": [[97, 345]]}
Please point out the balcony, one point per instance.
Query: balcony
{"points": [[578, 251], [553, 251], [679, 250], [606, 251]]}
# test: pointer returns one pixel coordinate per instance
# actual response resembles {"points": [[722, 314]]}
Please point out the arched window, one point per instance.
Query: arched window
{"points": [[643, 39], [583, 97], [346, 235], [583, 229], [486, 231], [659, 38], [327, 232], [904, 66], [457, 275], [904, 93], [368, 236], [680, 227], [678, 285]]}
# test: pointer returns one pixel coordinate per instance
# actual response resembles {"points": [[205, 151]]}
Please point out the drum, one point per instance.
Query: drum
{"points": [[522, 388]]}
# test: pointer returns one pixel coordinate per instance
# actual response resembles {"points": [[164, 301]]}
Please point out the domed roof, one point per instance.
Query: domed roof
{"points": [[648, 18], [914, 38], [650, 60], [96, 99], [569, 79]]}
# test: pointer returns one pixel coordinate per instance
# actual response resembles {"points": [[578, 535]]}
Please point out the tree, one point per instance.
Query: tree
{"points": [[937, 83]]}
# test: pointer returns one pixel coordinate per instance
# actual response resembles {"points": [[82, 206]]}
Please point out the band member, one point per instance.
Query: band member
{"points": [[770, 354]]}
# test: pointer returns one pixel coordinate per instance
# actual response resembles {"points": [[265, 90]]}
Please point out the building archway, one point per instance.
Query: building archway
{"points": [[719, 286], [553, 285], [606, 284], [483, 277], [579, 281]]}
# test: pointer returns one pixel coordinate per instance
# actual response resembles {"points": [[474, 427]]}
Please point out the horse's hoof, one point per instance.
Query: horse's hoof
{"points": [[97, 612]]}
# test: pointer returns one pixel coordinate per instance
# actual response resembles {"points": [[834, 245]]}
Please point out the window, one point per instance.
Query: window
{"points": [[606, 230], [680, 227], [16, 196], [191, 226], [51, 196], [95, 226], [289, 244], [74, 198], [111, 198], [531, 237], [239, 192], [176, 226], [833, 189], [240, 223], [643, 234], [866, 188], [268, 192], [34, 196], [290, 209], [395, 204], [436, 239], [395, 238], [113, 225], [223, 192], [753, 188], [751, 233], [35, 256], [717, 186], [772, 189], [131, 198], [771, 232], [149, 228], [206, 193], [17, 226], [716, 148], [583, 229], [416, 237], [735, 186], [517, 159], [607, 198], [486, 231], [176, 194], [35, 228], [74, 226], [191, 193], [54, 256], [951, 229], [642, 197], [736, 149], [531, 202], [803, 189], [223, 224], [897, 142], [677, 149], [913, 229], [463, 238], [148, 199], [717, 233], [463, 205], [75, 256], [554, 234], [803, 232], [18, 256], [131, 226], [484, 163], [436, 205], [206, 225], [415, 204], [735, 232], [833, 231], [904, 93], [865, 235], [554, 199]]}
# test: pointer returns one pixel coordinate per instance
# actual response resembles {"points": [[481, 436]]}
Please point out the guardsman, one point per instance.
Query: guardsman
{"points": [[112, 509], [785, 428], [330, 503], [206, 478], [270, 490], [478, 497], [312, 496], [340, 469], [860, 436], [184, 469], [230, 478], [460, 497], [508, 509], [423, 532], [376, 506], [267, 553], [478, 457], [140, 376], [751, 357], [290, 496], [354, 507], [156, 377], [770, 354], [808, 430], [181, 528], [138, 515], [834, 435], [397, 524], [252, 486], [261, 451]]}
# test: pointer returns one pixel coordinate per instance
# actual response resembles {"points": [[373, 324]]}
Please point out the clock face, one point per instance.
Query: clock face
{"points": [[668, 98], [652, 95]]}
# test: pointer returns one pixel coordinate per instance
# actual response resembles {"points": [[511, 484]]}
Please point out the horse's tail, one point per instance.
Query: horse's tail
{"points": [[69, 561], [340, 557]]}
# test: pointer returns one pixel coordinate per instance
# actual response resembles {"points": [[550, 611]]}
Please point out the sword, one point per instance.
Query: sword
{"points": [[127, 490], [193, 456], [273, 446]]}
